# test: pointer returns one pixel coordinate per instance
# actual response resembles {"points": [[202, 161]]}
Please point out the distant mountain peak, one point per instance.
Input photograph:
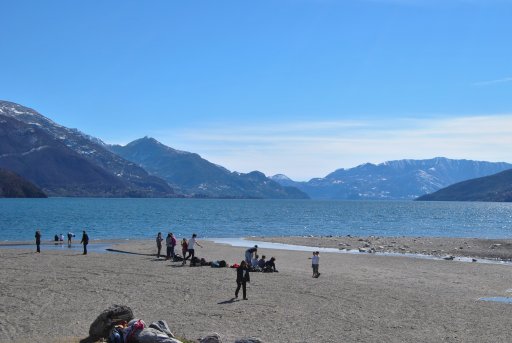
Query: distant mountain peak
{"points": [[198, 177], [150, 142], [280, 177]]}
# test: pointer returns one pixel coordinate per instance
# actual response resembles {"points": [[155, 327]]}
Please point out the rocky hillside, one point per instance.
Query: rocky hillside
{"points": [[497, 187], [14, 186], [402, 179], [192, 175], [66, 162]]}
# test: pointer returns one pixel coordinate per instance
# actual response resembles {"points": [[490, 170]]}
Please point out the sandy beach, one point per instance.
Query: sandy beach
{"points": [[54, 296]]}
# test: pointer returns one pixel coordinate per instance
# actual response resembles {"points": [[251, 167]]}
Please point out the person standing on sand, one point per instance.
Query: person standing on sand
{"points": [[191, 245], [159, 240], [242, 277], [315, 262], [168, 241], [184, 247], [38, 241], [248, 254], [173, 245], [85, 241]]}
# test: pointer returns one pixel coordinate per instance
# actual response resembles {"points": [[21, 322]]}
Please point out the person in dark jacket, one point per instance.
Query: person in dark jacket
{"points": [[159, 240], [85, 241], [242, 277], [270, 265], [38, 241]]}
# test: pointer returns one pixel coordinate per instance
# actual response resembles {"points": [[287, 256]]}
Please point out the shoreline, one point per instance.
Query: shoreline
{"points": [[435, 247], [440, 247]]}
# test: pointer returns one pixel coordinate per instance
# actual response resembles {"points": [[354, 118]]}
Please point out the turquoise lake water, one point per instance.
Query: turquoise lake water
{"points": [[143, 218]]}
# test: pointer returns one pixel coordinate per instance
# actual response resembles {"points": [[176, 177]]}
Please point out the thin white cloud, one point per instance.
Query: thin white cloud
{"points": [[493, 82], [304, 150]]}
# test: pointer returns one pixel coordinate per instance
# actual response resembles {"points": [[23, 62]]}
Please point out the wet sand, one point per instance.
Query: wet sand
{"points": [[54, 296]]}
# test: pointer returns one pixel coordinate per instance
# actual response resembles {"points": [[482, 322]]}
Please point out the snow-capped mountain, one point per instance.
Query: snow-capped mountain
{"points": [[401, 179], [67, 162]]}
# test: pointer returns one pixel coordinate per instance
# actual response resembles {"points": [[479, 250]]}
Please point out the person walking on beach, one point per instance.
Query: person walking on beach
{"points": [[248, 254], [38, 241], [315, 262], [159, 240], [191, 245], [242, 277], [85, 241]]}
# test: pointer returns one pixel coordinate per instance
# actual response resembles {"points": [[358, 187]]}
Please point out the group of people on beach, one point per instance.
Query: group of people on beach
{"points": [[257, 264], [187, 247], [60, 238]]}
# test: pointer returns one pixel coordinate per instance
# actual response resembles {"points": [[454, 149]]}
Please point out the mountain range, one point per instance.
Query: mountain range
{"points": [[392, 180], [190, 174], [497, 187], [66, 162]]}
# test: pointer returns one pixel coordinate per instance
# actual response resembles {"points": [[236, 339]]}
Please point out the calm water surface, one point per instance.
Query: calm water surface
{"points": [[142, 218]]}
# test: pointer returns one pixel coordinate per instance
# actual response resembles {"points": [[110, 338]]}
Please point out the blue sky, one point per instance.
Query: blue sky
{"points": [[300, 87]]}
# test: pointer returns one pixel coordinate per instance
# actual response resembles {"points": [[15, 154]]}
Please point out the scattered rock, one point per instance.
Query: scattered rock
{"points": [[213, 338], [249, 340]]}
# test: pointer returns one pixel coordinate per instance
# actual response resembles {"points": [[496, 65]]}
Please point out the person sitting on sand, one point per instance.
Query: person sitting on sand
{"points": [[242, 277], [248, 254], [261, 262], [191, 244], [254, 262], [270, 265]]}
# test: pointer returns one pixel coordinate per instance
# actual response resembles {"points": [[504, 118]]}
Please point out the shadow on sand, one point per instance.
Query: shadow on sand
{"points": [[230, 301]]}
